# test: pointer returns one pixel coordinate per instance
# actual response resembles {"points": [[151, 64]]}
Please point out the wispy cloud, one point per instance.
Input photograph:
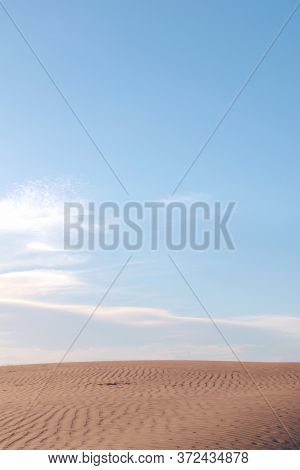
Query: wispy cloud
{"points": [[41, 247], [31, 209], [141, 316], [31, 230], [37, 282]]}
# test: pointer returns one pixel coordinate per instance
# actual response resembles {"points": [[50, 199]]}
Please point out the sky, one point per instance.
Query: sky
{"points": [[149, 82]]}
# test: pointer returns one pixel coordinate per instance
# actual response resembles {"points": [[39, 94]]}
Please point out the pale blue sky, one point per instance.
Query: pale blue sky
{"points": [[150, 80]]}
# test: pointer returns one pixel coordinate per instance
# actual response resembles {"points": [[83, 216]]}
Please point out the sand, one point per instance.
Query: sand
{"points": [[150, 405]]}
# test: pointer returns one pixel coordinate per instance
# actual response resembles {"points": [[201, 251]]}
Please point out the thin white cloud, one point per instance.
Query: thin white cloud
{"points": [[42, 247], [285, 324], [37, 282], [141, 316]]}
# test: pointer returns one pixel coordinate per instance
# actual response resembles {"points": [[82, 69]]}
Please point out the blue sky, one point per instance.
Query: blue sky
{"points": [[150, 80]]}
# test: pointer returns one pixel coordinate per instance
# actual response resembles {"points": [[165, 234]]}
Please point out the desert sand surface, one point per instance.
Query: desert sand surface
{"points": [[150, 405]]}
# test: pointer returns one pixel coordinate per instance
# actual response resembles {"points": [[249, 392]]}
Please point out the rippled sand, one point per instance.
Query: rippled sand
{"points": [[150, 405]]}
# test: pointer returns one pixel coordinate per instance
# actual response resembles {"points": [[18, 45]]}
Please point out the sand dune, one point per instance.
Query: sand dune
{"points": [[150, 405]]}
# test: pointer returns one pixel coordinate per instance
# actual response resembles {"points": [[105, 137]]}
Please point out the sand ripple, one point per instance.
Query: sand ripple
{"points": [[149, 405]]}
